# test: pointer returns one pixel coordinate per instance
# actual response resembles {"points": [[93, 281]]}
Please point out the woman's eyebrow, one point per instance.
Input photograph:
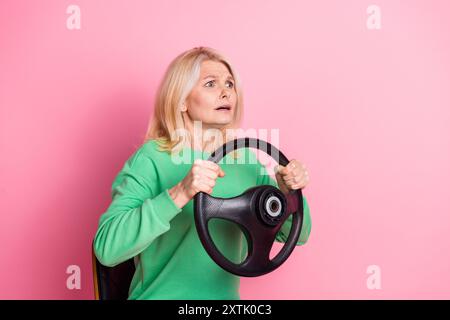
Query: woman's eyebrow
{"points": [[213, 76]]}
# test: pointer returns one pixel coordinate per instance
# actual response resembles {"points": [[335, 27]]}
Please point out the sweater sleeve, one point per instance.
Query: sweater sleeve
{"points": [[136, 215], [282, 236]]}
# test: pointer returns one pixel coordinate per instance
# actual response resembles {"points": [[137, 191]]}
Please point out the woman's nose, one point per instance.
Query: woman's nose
{"points": [[226, 93]]}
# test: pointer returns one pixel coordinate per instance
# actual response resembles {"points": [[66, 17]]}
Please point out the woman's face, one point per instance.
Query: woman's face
{"points": [[215, 88]]}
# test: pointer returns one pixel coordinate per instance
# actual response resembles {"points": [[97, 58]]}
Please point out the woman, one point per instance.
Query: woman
{"points": [[150, 217]]}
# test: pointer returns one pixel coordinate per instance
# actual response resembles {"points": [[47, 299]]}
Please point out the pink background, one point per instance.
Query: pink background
{"points": [[368, 111]]}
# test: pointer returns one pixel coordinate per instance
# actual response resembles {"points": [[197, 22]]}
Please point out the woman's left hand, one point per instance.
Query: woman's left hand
{"points": [[292, 177]]}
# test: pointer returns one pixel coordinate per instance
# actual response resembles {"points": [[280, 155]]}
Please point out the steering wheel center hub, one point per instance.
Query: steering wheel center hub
{"points": [[271, 206]]}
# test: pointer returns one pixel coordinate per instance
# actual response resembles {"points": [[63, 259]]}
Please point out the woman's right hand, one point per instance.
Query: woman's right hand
{"points": [[200, 178]]}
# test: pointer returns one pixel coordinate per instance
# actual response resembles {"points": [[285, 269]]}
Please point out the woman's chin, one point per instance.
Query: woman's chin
{"points": [[222, 120], [217, 124]]}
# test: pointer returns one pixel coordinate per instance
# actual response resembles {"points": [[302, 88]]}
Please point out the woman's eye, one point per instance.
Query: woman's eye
{"points": [[231, 84]]}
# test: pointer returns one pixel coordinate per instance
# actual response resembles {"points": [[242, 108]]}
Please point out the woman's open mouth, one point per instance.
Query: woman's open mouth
{"points": [[225, 107]]}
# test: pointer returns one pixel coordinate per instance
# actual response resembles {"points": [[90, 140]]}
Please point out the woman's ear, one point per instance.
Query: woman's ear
{"points": [[183, 108]]}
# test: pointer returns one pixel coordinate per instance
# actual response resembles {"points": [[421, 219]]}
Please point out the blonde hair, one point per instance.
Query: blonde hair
{"points": [[180, 78]]}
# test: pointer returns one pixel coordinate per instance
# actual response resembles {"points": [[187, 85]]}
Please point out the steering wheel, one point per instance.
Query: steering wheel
{"points": [[260, 212]]}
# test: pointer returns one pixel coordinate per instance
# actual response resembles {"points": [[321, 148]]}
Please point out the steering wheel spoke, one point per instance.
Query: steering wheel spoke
{"points": [[232, 209], [262, 240], [292, 202]]}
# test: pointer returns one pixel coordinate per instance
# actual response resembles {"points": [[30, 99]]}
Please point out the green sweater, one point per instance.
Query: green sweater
{"points": [[143, 222]]}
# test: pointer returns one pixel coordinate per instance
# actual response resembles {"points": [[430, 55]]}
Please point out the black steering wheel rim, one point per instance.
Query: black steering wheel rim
{"points": [[248, 211]]}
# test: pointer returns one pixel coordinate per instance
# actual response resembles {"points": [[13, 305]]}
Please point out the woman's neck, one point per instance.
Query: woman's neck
{"points": [[204, 137]]}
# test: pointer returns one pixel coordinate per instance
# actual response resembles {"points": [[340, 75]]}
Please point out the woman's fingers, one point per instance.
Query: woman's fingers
{"points": [[294, 174], [205, 174], [209, 165]]}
